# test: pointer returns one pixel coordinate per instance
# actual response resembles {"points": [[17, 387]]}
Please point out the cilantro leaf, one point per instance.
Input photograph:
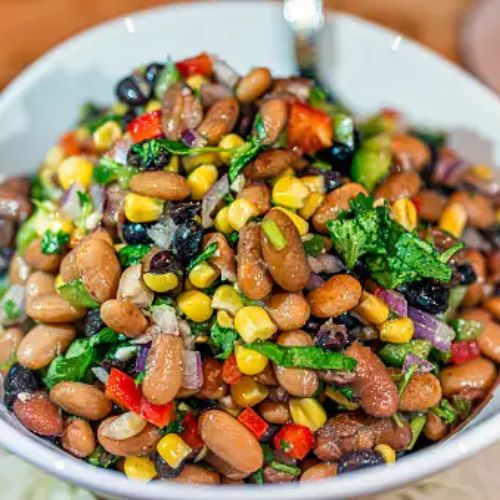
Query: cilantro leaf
{"points": [[314, 245], [108, 171], [223, 339], [445, 411], [130, 255], [54, 243], [76, 294], [11, 310], [242, 157], [205, 255]]}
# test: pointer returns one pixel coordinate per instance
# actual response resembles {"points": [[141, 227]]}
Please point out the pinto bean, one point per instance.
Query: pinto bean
{"points": [[492, 305], [213, 386], [271, 163], [480, 211], [223, 259], [14, 206], [401, 185], [19, 271], [430, 205], [142, 444], [52, 308], [275, 413], [267, 376], [295, 87], [223, 468], [435, 428], [123, 317], [253, 278], [132, 288], [373, 385], [9, 342], [167, 186], [410, 152], [335, 202], [422, 392], [78, 438], [82, 400], [38, 414], [476, 314], [259, 195], [196, 474], [319, 471], [273, 476], [288, 266], [43, 343], [334, 297], [220, 120], [300, 382], [99, 234], [39, 283], [38, 260], [290, 311], [477, 374], [253, 84], [274, 114], [231, 441], [69, 270], [99, 268], [475, 292], [163, 377], [489, 341]]}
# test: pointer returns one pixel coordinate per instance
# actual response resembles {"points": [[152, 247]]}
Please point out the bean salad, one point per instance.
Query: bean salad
{"points": [[226, 279]]}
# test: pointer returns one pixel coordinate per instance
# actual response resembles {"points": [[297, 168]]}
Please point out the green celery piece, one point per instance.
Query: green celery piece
{"points": [[405, 379], [395, 354], [462, 405], [457, 295], [445, 411], [467, 329], [274, 234], [205, 255], [416, 425], [369, 167], [76, 294]]}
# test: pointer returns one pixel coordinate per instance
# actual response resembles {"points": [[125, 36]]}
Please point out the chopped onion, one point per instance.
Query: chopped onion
{"points": [[394, 300], [330, 263], [120, 149], [422, 365], [97, 193], [238, 184], [125, 426], [147, 336], [192, 370], [142, 356], [449, 168], [13, 303], [125, 353], [210, 201], [70, 205], [162, 233], [193, 139], [315, 281], [430, 328], [164, 316], [100, 374], [185, 332], [223, 73]]}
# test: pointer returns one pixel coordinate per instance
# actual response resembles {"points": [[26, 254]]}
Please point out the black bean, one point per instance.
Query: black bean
{"points": [[187, 241], [133, 90], [466, 273], [427, 295], [278, 394], [151, 72], [348, 320], [245, 119], [148, 155], [312, 325], [135, 233], [332, 336], [269, 434], [339, 156], [359, 459], [164, 262], [19, 379], [127, 118], [92, 323], [184, 212], [163, 469]]}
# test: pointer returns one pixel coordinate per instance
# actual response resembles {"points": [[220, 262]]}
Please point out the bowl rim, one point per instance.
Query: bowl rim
{"points": [[372, 480]]}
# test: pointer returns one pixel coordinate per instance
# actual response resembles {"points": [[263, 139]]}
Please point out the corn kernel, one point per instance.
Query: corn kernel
{"points": [[139, 468], [140, 208], [372, 309], [483, 172], [75, 169], [249, 362], [453, 219], [308, 412], [404, 212], [253, 322], [248, 392], [58, 223], [58, 282], [340, 399], [315, 183], [195, 305], [196, 81], [152, 105], [203, 275], [173, 449], [289, 192], [226, 298], [288, 172], [221, 221], [225, 319], [190, 162], [54, 157], [229, 141], [311, 204], [119, 108], [201, 180], [161, 283], [106, 135], [387, 453], [172, 165], [188, 285], [240, 212], [301, 224], [397, 331]]}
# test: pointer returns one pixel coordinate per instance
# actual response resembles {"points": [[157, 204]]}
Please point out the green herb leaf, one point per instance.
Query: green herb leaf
{"points": [[260, 129], [233, 238], [274, 234], [54, 243], [463, 406], [314, 245], [166, 78], [395, 354], [223, 339], [467, 329], [416, 425], [205, 255], [76, 294], [287, 469], [140, 377], [11, 310], [26, 234], [176, 427], [149, 152], [445, 411], [405, 378], [101, 458], [433, 138], [258, 476], [111, 171], [268, 453], [242, 157], [130, 255]]}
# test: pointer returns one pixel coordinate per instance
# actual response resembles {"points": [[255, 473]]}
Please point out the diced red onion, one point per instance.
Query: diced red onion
{"points": [[430, 328], [125, 353], [330, 263], [192, 377], [97, 193], [162, 233], [120, 149], [193, 139], [394, 300], [210, 201], [164, 316], [423, 366], [142, 356], [70, 205], [315, 281], [223, 73], [449, 168]]}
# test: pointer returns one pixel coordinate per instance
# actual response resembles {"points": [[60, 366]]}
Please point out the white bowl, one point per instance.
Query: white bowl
{"points": [[367, 67]]}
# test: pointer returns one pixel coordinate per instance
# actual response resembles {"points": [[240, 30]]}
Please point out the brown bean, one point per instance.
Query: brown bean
{"points": [[258, 194], [271, 163], [195, 474], [223, 468], [213, 386], [9, 342], [476, 314], [52, 308], [435, 428], [489, 341], [132, 288], [319, 471], [14, 206], [476, 374], [140, 445], [223, 259], [19, 271], [231, 441], [253, 278], [296, 87], [123, 317], [334, 297], [82, 400], [475, 291], [300, 382], [267, 376], [99, 234], [43, 343], [231, 482], [275, 413], [410, 152], [39, 283], [253, 84], [159, 184], [401, 185], [288, 266], [220, 120], [35, 258], [78, 438], [480, 211], [290, 311], [163, 377], [69, 270], [430, 205], [373, 385], [422, 392], [274, 113], [335, 202], [492, 305], [99, 268], [38, 414]]}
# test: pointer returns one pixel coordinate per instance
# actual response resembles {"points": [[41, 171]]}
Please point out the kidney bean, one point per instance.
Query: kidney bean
{"points": [[254, 279], [213, 386], [274, 113], [9, 341], [38, 414], [410, 152], [288, 266], [99, 268], [300, 382], [475, 292], [231, 441], [223, 468], [219, 120], [335, 202], [253, 84], [275, 413], [435, 428], [43, 343], [477, 374], [430, 205], [195, 474], [492, 305], [69, 270], [422, 392], [123, 317], [267, 376], [223, 259], [373, 385], [401, 185], [132, 288], [82, 400], [258, 194], [334, 297], [163, 377], [489, 341], [271, 163], [159, 184], [140, 445], [52, 308], [19, 270], [78, 438], [480, 211], [34, 257], [39, 283], [290, 311], [319, 471]]}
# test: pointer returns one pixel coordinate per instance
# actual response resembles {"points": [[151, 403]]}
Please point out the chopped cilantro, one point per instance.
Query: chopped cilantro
{"points": [[140, 377], [314, 245], [205, 255], [223, 339], [76, 294], [130, 255], [445, 411], [11, 310], [54, 243]]}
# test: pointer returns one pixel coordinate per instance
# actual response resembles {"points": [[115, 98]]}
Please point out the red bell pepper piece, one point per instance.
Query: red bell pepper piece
{"points": [[253, 422], [464, 350], [230, 372], [159, 415], [69, 144], [146, 126], [309, 129], [198, 65], [294, 440], [190, 433]]}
